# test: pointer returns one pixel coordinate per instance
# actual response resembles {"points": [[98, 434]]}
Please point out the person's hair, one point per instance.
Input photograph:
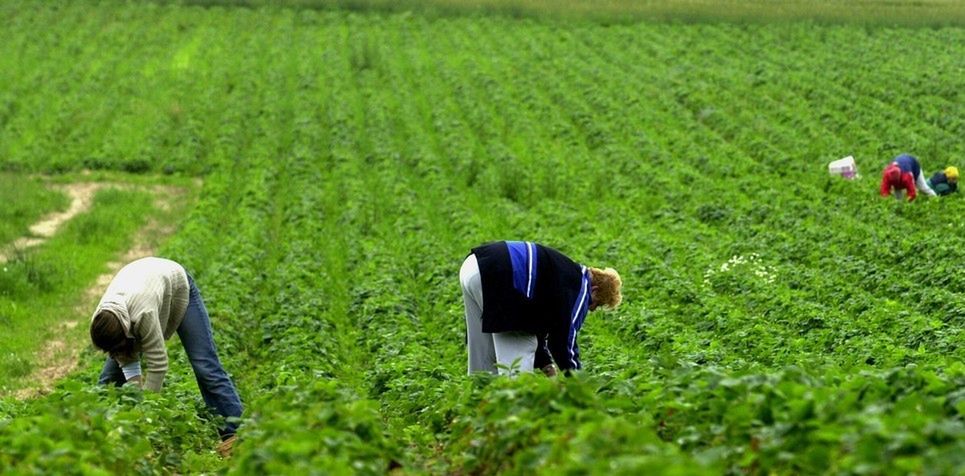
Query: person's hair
{"points": [[106, 332], [608, 285]]}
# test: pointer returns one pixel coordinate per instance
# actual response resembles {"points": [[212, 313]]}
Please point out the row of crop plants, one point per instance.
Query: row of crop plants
{"points": [[781, 344], [923, 274], [483, 119], [349, 178]]}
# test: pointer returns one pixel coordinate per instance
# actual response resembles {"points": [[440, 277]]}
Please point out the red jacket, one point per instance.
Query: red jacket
{"points": [[899, 180]]}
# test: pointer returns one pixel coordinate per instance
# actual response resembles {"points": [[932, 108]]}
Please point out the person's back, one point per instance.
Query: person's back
{"points": [[526, 302], [908, 163], [945, 182], [150, 284], [904, 174]]}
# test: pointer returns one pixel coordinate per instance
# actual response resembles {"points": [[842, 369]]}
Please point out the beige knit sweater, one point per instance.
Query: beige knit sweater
{"points": [[150, 296]]}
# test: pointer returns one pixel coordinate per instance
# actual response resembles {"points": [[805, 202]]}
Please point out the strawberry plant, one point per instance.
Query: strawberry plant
{"points": [[775, 319]]}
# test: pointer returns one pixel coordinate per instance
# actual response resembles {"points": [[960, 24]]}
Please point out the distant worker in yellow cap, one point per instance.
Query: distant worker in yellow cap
{"points": [[945, 182]]}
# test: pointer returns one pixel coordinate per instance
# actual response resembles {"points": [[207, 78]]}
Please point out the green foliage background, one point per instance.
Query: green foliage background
{"points": [[39, 287], [775, 319], [24, 202], [853, 12]]}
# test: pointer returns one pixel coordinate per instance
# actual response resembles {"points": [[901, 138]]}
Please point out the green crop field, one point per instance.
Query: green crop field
{"points": [[776, 320]]}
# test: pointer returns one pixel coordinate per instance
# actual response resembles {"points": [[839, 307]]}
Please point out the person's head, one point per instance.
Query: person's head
{"points": [[951, 173], [605, 288], [107, 334], [893, 174]]}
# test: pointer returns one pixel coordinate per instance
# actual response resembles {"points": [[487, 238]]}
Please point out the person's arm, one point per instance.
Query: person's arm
{"points": [[923, 185], [563, 335], [132, 372], [885, 188], [562, 345], [155, 353], [569, 356], [909, 185], [543, 360]]}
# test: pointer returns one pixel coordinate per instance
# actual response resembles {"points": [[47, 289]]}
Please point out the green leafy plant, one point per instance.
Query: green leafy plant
{"points": [[776, 320]]}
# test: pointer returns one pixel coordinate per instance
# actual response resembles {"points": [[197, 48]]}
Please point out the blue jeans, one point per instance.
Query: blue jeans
{"points": [[218, 391]]}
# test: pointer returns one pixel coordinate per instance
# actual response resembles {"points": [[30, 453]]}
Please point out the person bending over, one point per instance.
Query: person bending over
{"points": [[904, 173], [145, 304], [945, 182], [525, 304]]}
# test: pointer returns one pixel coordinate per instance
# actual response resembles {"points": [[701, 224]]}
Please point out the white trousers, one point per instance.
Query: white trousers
{"points": [[511, 351], [921, 184]]}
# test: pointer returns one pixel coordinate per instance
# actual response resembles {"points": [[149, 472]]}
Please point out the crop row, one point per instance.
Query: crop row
{"points": [[775, 320]]}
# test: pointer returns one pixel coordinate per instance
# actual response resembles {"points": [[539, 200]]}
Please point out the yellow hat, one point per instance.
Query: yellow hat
{"points": [[951, 172]]}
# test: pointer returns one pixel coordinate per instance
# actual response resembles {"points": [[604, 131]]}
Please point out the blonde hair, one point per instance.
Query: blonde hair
{"points": [[608, 284]]}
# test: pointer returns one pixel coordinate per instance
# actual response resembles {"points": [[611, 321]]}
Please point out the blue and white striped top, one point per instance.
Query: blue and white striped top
{"points": [[524, 262]]}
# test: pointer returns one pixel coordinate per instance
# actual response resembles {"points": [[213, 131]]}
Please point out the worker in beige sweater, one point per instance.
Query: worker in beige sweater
{"points": [[146, 303]]}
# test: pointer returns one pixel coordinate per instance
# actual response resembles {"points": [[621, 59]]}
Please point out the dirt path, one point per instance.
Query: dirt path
{"points": [[81, 197], [60, 354]]}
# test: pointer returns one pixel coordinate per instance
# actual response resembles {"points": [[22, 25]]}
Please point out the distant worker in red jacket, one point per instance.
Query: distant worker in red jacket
{"points": [[904, 173], [525, 304]]}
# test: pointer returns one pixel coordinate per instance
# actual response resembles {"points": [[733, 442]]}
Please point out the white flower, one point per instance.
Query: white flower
{"points": [[751, 263]]}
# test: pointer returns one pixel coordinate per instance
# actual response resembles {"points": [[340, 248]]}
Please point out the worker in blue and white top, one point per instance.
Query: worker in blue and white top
{"points": [[525, 304]]}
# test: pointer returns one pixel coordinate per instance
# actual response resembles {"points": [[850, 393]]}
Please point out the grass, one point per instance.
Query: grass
{"points": [[25, 200], [776, 320], [39, 289], [859, 12], [42, 289]]}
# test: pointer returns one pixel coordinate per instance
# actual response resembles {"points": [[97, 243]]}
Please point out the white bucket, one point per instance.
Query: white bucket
{"points": [[844, 167]]}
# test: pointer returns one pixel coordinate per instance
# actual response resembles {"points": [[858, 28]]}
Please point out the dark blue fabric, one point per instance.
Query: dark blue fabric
{"points": [[543, 357], [908, 163], [111, 373], [942, 186], [217, 390], [580, 308], [549, 314]]}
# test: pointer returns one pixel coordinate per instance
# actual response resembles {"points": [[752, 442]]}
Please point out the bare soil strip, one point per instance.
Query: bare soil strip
{"points": [[59, 356], [81, 196]]}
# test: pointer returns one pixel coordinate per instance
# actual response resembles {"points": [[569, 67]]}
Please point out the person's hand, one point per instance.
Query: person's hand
{"points": [[549, 370], [136, 381]]}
